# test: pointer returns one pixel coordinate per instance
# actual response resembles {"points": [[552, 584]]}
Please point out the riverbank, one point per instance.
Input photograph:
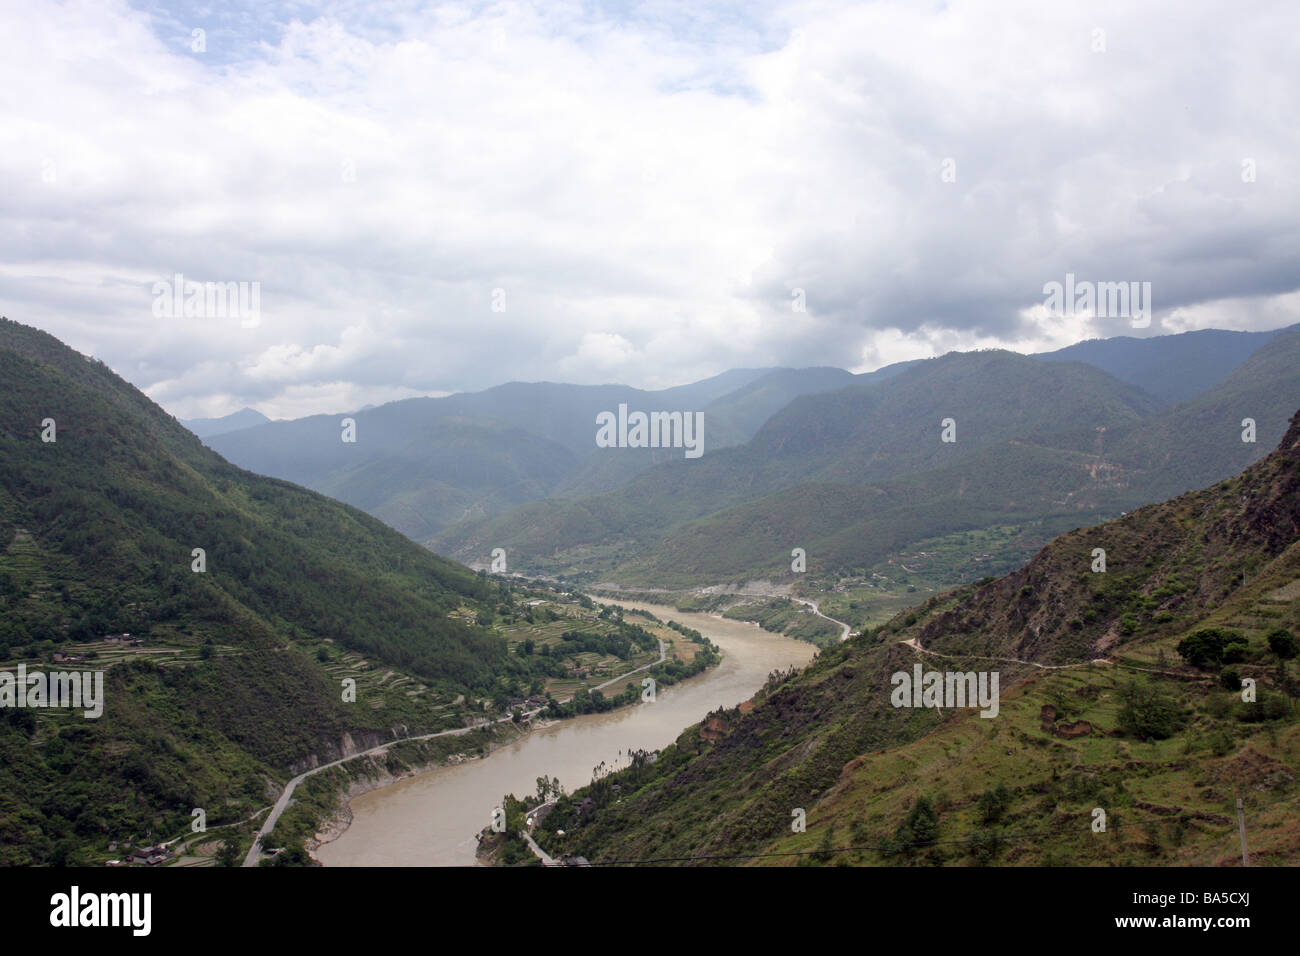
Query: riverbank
{"points": [[375, 774], [432, 817], [322, 796]]}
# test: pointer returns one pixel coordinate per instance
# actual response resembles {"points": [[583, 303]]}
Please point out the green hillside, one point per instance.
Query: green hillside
{"points": [[237, 680], [856, 476], [1170, 368], [425, 463], [1119, 690]]}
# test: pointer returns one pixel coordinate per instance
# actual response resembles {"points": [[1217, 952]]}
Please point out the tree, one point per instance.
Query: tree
{"points": [[1205, 648], [920, 827], [993, 803], [228, 852], [1283, 644], [1148, 713]]}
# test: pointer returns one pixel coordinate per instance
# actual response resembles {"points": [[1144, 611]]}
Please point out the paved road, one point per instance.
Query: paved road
{"points": [[282, 804], [844, 633], [615, 680], [255, 851]]}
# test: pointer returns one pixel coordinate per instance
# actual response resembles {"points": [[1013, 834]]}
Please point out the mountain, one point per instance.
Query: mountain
{"points": [[1171, 368], [848, 443], [1113, 699], [210, 427], [857, 475], [237, 683], [425, 463]]}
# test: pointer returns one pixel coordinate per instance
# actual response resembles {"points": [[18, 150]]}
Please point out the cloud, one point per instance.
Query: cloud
{"points": [[644, 186]]}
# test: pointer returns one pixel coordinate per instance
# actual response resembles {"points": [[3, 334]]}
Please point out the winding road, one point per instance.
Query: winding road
{"points": [[254, 854], [844, 634]]}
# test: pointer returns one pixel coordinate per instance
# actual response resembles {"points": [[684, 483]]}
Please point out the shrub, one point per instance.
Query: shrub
{"points": [[1147, 712], [1230, 678], [1222, 743], [993, 803], [918, 829], [1205, 648], [1282, 643], [1235, 652]]}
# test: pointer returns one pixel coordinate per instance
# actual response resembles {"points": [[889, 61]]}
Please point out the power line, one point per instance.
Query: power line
{"points": [[992, 837]]}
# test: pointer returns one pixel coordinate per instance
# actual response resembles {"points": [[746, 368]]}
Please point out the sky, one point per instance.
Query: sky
{"points": [[430, 198]]}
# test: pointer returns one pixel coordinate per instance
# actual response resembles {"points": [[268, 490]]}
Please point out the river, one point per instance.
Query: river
{"points": [[431, 818]]}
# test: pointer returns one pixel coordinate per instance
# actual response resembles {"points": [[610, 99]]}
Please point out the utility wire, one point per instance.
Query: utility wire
{"points": [[993, 837]]}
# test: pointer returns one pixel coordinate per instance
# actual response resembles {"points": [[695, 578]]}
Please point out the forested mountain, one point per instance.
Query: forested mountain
{"points": [[850, 468], [233, 685], [857, 474], [1120, 693], [422, 464], [1170, 368]]}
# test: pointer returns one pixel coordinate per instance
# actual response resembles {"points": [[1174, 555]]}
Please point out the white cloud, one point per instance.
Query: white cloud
{"points": [[646, 188]]}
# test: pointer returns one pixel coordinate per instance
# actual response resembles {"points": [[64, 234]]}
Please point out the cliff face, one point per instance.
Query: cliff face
{"points": [[347, 745]]}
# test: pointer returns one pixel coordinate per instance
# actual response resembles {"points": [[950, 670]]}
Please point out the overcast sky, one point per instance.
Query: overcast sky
{"points": [[646, 184]]}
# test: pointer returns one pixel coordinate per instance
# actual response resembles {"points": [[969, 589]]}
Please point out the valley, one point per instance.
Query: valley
{"points": [[843, 537]]}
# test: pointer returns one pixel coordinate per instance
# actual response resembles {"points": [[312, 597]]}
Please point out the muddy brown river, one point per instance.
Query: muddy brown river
{"points": [[431, 819]]}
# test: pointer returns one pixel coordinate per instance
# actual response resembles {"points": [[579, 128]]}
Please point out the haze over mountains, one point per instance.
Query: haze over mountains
{"points": [[209, 427], [849, 467]]}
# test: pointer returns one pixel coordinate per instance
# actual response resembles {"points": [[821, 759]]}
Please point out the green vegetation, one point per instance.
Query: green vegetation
{"points": [[1146, 727], [304, 626], [858, 478]]}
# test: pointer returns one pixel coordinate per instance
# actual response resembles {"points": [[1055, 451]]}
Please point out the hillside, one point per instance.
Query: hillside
{"points": [[858, 438], [1170, 368], [237, 679], [1099, 709], [857, 476], [425, 463]]}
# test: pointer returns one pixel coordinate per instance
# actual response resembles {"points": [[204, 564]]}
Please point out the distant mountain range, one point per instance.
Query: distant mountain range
{"points": [[849, 467], [1169, 368], [855, 475], [211, 427], [424, 463]]}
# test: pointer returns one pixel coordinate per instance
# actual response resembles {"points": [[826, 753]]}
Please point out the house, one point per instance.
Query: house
{"points": [[575, 861], [150, 855]]}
